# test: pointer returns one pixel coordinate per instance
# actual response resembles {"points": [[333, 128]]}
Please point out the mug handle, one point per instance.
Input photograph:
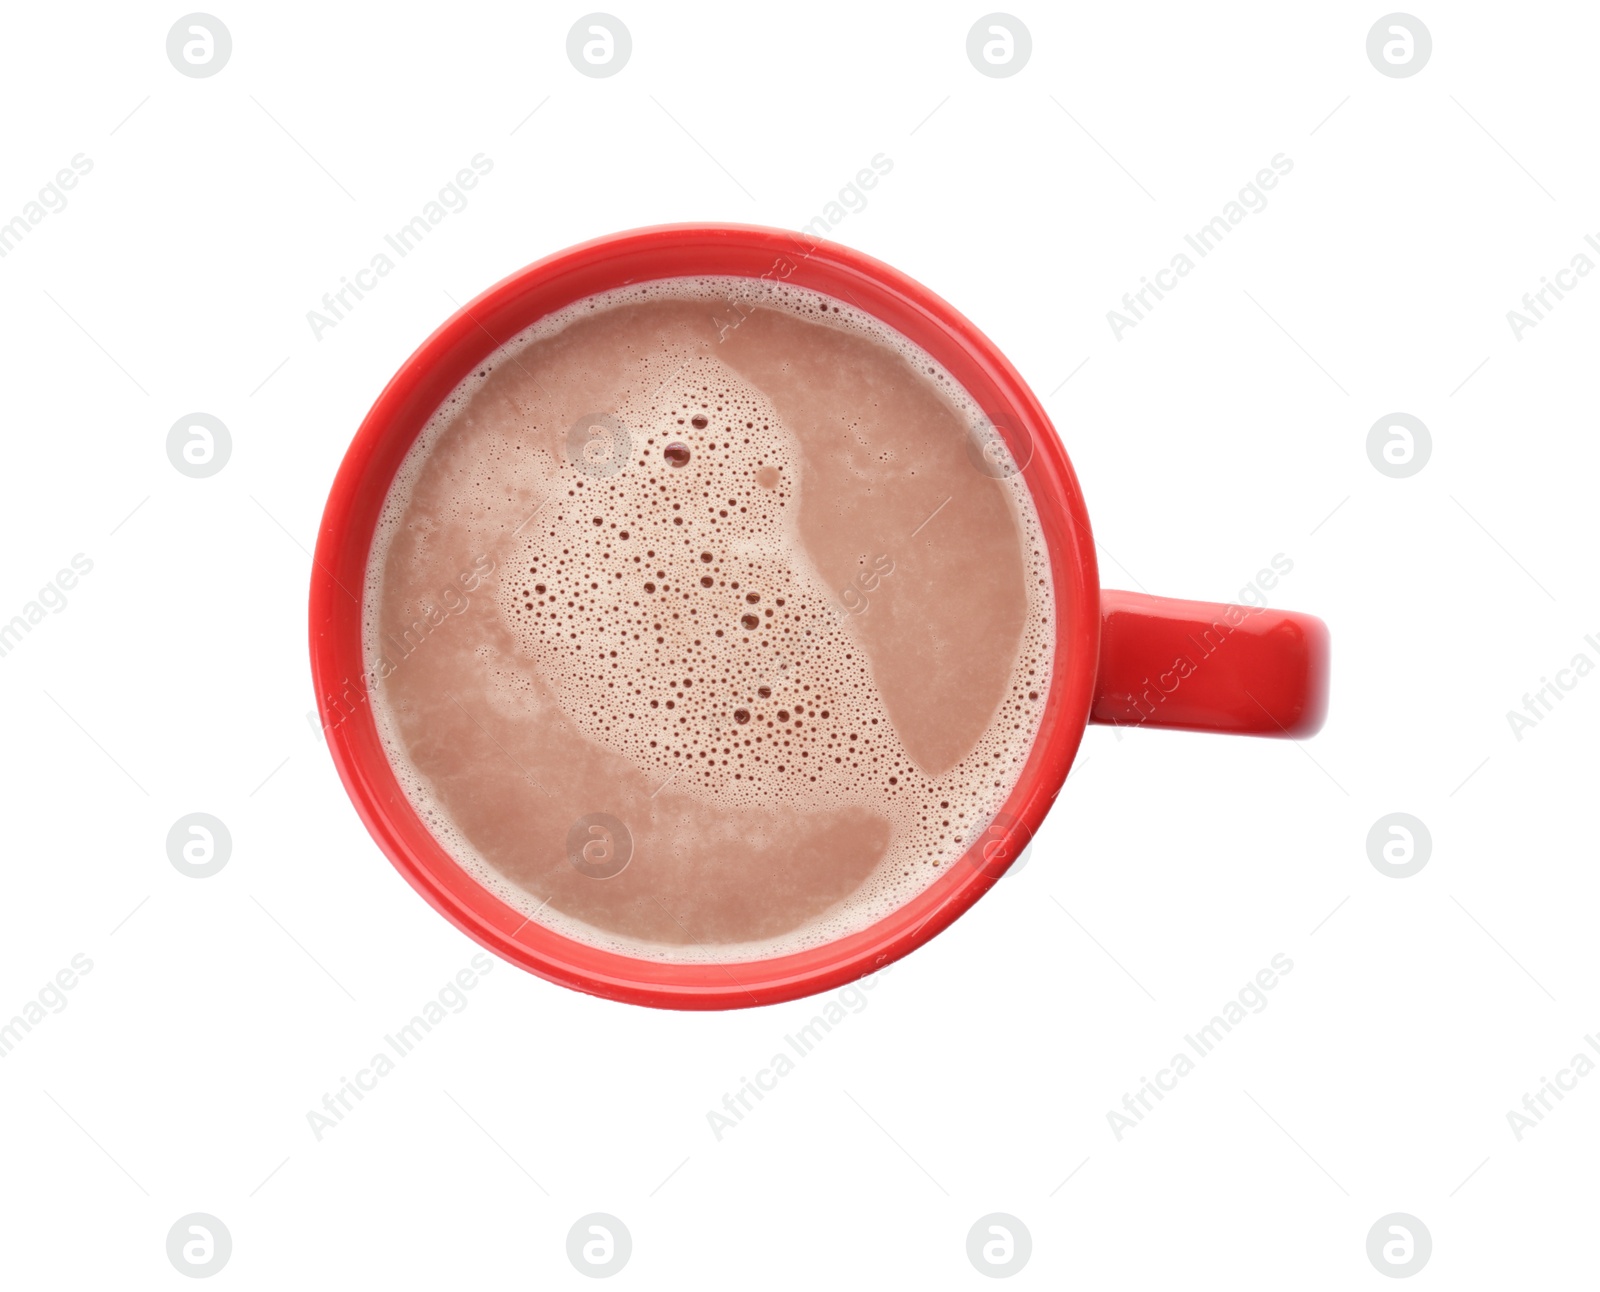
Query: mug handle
{"points": [[1203, 666]]}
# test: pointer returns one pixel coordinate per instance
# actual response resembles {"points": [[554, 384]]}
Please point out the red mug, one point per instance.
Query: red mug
{"points": [[1121, 657]]}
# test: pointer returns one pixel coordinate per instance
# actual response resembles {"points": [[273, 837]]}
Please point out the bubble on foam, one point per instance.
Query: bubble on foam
{"points": [[679, 622]]}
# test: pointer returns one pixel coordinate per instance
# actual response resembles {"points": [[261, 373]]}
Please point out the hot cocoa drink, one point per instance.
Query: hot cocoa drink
{"points": [[707, 619]]}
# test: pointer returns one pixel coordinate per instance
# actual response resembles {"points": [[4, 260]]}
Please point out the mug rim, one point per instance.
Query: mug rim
{"points": [[474, 332]]}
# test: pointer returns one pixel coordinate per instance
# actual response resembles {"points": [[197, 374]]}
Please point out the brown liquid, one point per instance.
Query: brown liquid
{"points": [[716, 594]]}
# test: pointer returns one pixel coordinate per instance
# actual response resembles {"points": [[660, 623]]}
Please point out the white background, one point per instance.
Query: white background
{"points": [[1225, 428]]}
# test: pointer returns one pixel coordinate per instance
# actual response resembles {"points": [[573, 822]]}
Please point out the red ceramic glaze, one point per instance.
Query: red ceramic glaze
{"points": [[1117, 653], [1208, 667]]}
